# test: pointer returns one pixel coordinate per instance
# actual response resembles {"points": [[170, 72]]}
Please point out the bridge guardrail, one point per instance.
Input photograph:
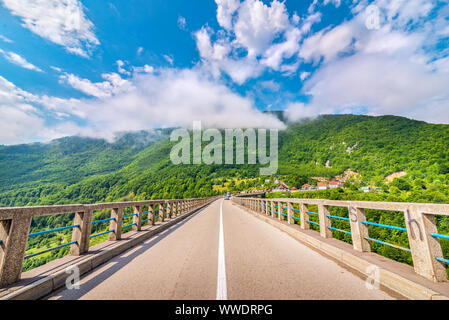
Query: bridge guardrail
{"points": [[15, 225], [421, 229]]}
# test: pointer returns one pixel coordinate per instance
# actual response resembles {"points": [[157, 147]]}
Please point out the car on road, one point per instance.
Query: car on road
{"points": [[227, 196]]}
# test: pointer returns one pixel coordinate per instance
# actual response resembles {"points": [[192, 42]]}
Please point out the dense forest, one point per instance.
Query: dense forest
{"points": [[138, 166]]}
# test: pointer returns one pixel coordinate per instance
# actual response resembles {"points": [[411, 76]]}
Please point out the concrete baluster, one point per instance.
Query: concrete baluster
{"points": [[325, 221], [305, 225], [137, 219], [425, 248], [359, 231], [81, 234], [116, 224], [14, 236]]}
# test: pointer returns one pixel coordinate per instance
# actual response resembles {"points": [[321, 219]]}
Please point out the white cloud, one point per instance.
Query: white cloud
{"points": [[5, 39], [397, 69], [60, 21], [120, 65], [19, 60], [225, 12], [256, 37], [182, 23], [175, 98], [21, 121], [139, 51], [168, 59], [304, 75], [113, 84]]}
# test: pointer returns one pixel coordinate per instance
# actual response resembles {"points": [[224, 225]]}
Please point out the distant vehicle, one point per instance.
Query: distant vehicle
{"points": [[227, 196]]}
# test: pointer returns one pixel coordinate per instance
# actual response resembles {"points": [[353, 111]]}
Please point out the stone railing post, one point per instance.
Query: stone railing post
{"points": [[280, 211], [272, 209], [169, 210], [14, 236], [290, 213], [151, 211], [359, 231], [325, 221], [116, 224], [162, 211], [267, 212], [137, 219], [305, 225], [425, 248], [81, 234]]}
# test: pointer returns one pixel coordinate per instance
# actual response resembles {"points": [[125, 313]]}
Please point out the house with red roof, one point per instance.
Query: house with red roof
{"points": [[322, 185]]}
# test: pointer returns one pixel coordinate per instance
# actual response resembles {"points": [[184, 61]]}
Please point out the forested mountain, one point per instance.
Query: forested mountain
{"points": [[78, 169], [137, 166]]}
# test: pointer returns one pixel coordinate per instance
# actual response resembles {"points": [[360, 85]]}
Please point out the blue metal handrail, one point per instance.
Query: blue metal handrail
{"points": [[313, 222], [331, 228], [130, 215], [147, 211], [337, 217], [442, 236], [312, 212], [104, 220], [388, 244], [49, 249], [129, 225], [384, 226], [296, 218], [100, 234], [53, 230], [442, 260], [294, 209]]}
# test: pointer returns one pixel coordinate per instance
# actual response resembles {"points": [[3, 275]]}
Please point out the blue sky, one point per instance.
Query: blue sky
{"points": [[96, 67]]}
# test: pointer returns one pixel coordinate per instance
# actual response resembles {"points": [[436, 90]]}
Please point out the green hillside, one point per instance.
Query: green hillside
{"points": [[137, 166], [90, 170]]}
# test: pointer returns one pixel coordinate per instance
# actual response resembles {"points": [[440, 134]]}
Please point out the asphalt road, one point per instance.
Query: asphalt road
{"points": [[249, 259]]}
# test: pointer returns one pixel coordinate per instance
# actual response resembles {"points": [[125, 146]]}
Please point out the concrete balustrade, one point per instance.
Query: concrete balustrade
{"points": [[15, 226], [419, 220]]}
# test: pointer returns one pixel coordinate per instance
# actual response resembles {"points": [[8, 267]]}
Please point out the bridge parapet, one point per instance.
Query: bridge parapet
{"points": [[15, 226], [421, 228]]}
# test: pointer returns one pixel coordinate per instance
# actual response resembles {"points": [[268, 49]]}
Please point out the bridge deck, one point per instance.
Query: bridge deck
{"points": [[261, 262]]}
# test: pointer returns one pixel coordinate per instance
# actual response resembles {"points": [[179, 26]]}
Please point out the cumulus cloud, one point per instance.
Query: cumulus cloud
{"points": [[60, 21], [173, 97], [19, 60], [397, 68], [255, 37], [112, 85], [162, 98], [21, 120]]}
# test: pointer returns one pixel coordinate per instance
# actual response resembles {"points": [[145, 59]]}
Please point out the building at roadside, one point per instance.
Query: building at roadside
{"points": [[322, 185]]}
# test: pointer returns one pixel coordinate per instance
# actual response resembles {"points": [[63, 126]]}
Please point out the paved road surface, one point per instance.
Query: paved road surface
{"points": [[257, 261]]}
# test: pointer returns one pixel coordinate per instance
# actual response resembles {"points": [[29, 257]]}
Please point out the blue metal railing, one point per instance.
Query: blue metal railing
{"points": [[104, 220], [337, 217], [388, 244], [442, 236], [100, 234], [294, 209], [52, 230], [311, 212], [130, 215], [49, 249], [129, 225], [384, 226], [344, 231], [296, 218], [312, 222], [443, 260]]}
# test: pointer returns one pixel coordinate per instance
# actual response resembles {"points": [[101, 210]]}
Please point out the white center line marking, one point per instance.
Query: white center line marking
{"points": [[221, 279]]}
